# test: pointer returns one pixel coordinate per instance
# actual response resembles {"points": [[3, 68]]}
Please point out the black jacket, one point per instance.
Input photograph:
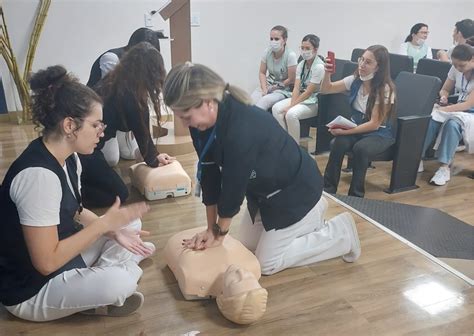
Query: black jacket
{"points": [[96, 73], [19, 280], [255, 157]]}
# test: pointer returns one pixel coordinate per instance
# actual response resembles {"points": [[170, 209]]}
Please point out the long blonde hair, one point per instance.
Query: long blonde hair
{"points": [[188, 85]]}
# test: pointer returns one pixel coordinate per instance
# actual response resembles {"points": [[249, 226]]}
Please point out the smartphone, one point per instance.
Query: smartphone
{"points": [[332, 60]]}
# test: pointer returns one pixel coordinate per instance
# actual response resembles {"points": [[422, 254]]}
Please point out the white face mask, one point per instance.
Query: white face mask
{"points": [[420, 42], [275, 45], [307, 54], [368, 77]]}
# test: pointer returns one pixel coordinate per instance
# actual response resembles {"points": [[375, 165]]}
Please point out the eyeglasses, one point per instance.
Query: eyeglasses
{"points": [[365, 61], [274, 39], [100, 126]]}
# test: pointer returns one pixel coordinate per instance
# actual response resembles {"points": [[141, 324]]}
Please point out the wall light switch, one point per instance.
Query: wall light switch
{"points": [[148, 20]]}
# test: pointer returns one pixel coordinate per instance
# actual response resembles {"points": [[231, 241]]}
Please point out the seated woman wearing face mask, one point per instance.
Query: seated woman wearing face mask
{"points": [[303, 103], [415, 44], [280, 63], [372, 97]]}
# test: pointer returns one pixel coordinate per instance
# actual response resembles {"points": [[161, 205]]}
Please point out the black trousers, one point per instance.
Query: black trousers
{"points": [[100, 183], [364, 149]]}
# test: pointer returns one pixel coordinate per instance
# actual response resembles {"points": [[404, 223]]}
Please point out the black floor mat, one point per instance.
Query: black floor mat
{"points": [[436, 232]]}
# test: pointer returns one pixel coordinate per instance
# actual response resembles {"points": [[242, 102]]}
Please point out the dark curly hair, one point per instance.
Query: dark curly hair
{"points": [[57, 95]]}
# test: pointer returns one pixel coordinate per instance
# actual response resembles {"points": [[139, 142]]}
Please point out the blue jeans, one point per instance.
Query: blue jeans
{"points": [[452, 134]]}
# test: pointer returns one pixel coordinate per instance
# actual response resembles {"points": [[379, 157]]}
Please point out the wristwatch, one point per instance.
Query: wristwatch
{"points": [[217, 231]]}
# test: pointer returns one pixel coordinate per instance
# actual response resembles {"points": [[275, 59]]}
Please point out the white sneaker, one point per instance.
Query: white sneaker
{"points": [[460, 148], [442, 175], [421, 167]]}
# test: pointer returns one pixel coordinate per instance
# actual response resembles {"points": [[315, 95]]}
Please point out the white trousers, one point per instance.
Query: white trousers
{"points": [[291, 120], [305, 242], [265, 102], [122, 146], [110, 278]]}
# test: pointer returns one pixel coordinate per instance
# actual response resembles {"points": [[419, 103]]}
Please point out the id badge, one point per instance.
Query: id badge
{"points": [[197, 189]]}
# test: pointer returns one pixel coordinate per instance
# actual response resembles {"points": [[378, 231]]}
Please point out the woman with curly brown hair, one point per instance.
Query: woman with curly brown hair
{"points": [[57, 258], [127, 91]]}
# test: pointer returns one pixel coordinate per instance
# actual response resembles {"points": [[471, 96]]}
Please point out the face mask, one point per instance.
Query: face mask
{"points": [[275, 45], [307, 54], [420, 42], [368, 77]]}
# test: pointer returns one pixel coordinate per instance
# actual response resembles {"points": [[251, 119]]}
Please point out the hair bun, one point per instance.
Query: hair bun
{"points": [[46, 78]]}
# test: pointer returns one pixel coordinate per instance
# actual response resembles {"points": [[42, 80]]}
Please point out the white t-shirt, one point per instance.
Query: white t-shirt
{"points": [[461, 84], [37, 194], [314, 75], [360, 103], [278, 67], [107, 62]]}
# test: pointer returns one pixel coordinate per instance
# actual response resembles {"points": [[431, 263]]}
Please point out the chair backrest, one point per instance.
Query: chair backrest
{"points": [[434, 68], [435, 53], [416, 94], [398, 63], [338, 74], [356, 53], [349, 68]]}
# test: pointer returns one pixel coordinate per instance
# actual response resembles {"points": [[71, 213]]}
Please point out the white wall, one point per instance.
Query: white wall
{"points": [[232, 34]]}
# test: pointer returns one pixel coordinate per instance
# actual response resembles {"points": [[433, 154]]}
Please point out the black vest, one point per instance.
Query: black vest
{"points": [[96, 73], [19, 280]]}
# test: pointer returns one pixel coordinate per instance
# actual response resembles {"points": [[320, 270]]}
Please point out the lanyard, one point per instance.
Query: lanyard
{"points": [[204, 151], [463, 93], [303, 78]]}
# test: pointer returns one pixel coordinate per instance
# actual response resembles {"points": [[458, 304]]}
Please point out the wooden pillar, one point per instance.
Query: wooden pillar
{"points": [[178, 141]]}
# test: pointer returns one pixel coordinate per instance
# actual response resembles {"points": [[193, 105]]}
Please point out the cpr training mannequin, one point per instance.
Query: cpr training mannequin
{"points": [[242, 300], [161, 182], [187, 264]]}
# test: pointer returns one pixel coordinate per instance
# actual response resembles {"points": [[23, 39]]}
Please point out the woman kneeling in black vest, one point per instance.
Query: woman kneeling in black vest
{"points": [[56, 258]]}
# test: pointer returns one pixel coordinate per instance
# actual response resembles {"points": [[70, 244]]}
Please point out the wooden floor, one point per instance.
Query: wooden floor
{"points": [[390, 290]]}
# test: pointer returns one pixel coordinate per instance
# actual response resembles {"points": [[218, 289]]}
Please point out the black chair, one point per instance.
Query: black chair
{"points": [[398, 63], [416, 95], [329, 107], [435, 53], [306, 124], [431, 67], [356, 53]]}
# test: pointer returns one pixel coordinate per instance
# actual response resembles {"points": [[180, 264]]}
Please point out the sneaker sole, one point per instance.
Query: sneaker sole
{"points": [[355, 252], [437, 184], [131, 305]]}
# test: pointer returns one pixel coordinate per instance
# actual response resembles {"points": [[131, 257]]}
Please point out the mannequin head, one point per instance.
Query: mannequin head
{"points": [[243, 300]]}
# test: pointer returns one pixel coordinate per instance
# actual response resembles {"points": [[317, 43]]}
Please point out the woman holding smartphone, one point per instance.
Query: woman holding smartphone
{"points": [[372, 97]]}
